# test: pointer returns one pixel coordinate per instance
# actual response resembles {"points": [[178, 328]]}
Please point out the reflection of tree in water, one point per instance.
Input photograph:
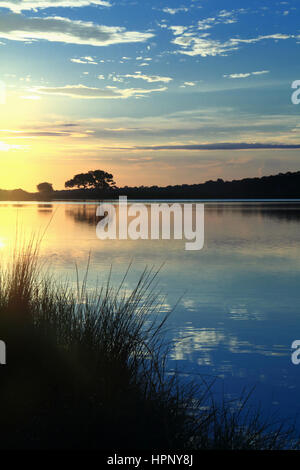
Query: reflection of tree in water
{"points": [[83, 214], [285, 212], [288, 213], [45, 208]]}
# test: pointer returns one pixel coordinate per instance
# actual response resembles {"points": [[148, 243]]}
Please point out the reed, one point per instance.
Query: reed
{"points": [[86, 369]]}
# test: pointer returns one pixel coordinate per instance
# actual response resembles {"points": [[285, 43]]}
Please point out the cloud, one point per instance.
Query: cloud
{"points": [[174, 131], [21, 5], [223, 17], [37, 134], [117, 79], [82, 91], [188, 84], [178, 30], [40, 132], [84, 60], [195, 40], [223, 146], [173, 11], [261, 72], [17, 27], [144, 58], [207, 23], [149, 78], [238, 75], [194, 44], [247, 74]]}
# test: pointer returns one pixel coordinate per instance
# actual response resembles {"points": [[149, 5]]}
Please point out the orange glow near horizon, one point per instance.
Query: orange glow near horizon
{"points": [[37, 145], [25, 168]]}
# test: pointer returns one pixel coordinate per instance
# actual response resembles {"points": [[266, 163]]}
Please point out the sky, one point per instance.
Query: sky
{"points": [[155, 92]]}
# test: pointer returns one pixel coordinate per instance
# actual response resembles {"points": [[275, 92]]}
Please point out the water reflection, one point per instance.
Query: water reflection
{"points": [[83, 214], [193, 342], [239, 311], [45, 208], [242, 312]]}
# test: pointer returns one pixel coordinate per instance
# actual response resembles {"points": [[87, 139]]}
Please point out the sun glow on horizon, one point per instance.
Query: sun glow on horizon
{"points": [[136, 93], [4, 147]]}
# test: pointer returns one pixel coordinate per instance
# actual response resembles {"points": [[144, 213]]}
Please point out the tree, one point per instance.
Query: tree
{"points": [[96, 179], [101, 179], [45, 188], [82, 180]]}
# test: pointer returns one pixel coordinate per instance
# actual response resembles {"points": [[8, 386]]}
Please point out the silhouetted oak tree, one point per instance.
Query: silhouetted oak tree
{"points": [[96, 179], [45, 188]]}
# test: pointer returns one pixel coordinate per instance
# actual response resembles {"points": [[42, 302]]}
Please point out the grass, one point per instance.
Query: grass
{"points": [[87, 370]]}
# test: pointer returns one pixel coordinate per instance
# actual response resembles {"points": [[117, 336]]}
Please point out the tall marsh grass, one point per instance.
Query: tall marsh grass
{"points": [[87, 370]]}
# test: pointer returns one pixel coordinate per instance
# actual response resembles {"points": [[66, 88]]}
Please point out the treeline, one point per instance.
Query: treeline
{"points": [[281, 186], [17, 195]]}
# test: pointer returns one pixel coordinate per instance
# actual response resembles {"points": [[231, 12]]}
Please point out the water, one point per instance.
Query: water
{"points": [[238, 312]]}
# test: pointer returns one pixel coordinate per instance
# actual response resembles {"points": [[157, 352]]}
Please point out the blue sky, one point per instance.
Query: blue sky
{"points": [[148, 90]]}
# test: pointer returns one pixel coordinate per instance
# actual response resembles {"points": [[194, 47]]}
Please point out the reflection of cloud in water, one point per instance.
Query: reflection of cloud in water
{"points": [[190, 339], [199, 345], [190, 304], [242, 312]]}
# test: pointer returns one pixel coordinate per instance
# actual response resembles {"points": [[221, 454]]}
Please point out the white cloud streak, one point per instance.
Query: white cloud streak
{"points": [[17, 27], [194, 44], [149, 78], [173, 11], [246, 75], [84, 60], [82, 91], [22, 5]]}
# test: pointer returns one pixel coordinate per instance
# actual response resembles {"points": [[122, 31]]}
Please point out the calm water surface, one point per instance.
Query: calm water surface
{"points": [[239, 308]]}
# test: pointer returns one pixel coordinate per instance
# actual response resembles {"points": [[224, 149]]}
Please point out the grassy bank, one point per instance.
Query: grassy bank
{"points": [[86, 370]]}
